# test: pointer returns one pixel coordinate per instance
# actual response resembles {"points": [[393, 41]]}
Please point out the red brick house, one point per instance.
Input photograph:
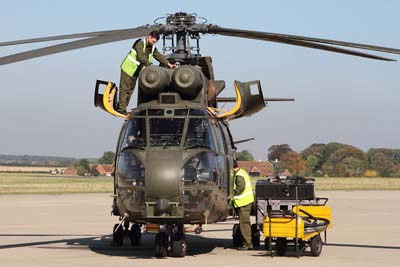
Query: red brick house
{"points": [[257, 168], [104, 169]]}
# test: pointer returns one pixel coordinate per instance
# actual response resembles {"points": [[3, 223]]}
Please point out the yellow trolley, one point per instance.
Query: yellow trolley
{"points": [[301, 226]]}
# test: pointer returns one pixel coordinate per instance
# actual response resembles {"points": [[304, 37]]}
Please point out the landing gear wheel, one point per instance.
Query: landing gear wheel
{"points": [[161, 244], [316, 245], [255, 235], [281, 246], [118, 235], [179, 246], [135, 235], [237, 236]]}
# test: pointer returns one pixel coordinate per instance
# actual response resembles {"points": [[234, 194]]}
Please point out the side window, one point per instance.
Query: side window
{"points": [[221, 139], [227, 134], [121, 136]]}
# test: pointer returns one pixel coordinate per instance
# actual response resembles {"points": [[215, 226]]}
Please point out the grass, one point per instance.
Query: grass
{"points": [[34, 183], [354, 183], [31, 183]]}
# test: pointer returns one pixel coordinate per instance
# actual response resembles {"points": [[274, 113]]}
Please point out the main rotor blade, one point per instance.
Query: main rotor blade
{"points": [[122, 35], [69, 36], [311, 43]]}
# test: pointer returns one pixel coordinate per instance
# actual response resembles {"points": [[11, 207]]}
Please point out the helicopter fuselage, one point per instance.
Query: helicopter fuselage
{"points": [[172, 165]]}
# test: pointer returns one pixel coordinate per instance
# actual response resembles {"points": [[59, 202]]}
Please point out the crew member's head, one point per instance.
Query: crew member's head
{"points": [[153, 37], [235, 165]]}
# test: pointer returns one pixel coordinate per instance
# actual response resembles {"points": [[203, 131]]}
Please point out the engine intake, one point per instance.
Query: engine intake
{"points": [[187, 81]]}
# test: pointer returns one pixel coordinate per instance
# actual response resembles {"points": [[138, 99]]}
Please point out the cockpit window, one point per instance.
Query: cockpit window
{"points": [[166, 131], [199, 134], [135, 136]]}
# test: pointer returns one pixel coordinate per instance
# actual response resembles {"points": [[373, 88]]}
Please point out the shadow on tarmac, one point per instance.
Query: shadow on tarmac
{"points": [[197, 244]]}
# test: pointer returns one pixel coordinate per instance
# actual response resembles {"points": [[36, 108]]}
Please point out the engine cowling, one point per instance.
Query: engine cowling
{"points": [[187, 81], [153, 80]]}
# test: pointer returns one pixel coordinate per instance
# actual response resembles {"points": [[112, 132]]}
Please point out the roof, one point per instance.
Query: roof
{"points": [[265, 168], [104, 169]]}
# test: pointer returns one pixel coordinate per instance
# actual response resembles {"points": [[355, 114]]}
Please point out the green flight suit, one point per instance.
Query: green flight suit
{"points": [[127, 83], [244, 212]]}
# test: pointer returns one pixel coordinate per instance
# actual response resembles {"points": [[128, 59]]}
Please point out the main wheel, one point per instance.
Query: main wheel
{"points": [[316, 245], [281, 246], [161, 244], [237, 236], [135, 235], [179, 246], [255, 235], [118, 235]]}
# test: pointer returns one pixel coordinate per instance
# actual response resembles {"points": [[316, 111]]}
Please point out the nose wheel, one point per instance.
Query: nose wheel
{"points": [[120, 231], [171, 242]]}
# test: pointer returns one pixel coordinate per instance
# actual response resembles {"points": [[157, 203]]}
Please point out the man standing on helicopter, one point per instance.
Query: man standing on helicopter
{"points": [[140, 56]]}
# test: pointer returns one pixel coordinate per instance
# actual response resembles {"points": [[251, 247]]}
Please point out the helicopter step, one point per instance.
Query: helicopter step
{"points": [[107, 101]]}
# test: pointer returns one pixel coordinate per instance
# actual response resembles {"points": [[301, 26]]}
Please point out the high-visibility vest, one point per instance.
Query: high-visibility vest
{"points": [[247, 196], [130, 64]]}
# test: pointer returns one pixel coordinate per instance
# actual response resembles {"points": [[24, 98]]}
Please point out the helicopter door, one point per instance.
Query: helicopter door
{"points": [[108, 100], [249, 100]]}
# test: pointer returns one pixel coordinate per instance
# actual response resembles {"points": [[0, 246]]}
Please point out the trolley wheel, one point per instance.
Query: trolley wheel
{"points": [[161, 244], [118, 235], [237, 236], [316, 245], [255, 235], [281, 246], [135, 235], [266, 243]]}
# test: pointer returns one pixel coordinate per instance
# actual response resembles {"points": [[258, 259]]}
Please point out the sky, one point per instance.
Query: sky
{"points": [[46, 104]]}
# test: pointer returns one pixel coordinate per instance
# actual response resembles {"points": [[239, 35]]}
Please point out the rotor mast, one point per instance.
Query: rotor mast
{"points": [[179, 29]]}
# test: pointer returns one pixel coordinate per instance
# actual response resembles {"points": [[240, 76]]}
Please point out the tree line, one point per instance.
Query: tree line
{"points": [[333, 159]]}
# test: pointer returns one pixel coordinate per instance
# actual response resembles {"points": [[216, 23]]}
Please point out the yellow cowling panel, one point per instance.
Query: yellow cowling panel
{"points": [[108, 100], [235, 108]]}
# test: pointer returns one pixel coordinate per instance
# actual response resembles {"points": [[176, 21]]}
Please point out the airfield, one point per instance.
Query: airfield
{"points": [[74, 230]]}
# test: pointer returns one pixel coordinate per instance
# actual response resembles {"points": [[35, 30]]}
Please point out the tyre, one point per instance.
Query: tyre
{"points": [[161, 244], [267, 246], [316, 245], [237, 236], [179, 246], [118, 235], [255, 235], [135, 235], [281, 246]]}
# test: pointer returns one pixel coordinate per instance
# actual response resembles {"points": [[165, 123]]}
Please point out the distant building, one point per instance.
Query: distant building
{"points": [[70, 171], [286, 173], [257, 168], [105, 169]]}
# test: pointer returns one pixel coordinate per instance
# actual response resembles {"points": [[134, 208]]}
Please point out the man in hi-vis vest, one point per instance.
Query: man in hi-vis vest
{"points": [[243, 200], [140, 56]]}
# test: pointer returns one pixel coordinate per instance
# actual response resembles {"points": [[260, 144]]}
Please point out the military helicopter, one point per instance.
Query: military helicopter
{"points": [[175, 151]]}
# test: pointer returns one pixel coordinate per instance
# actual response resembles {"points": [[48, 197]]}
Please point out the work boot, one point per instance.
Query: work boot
{"points": [[244, 247]]}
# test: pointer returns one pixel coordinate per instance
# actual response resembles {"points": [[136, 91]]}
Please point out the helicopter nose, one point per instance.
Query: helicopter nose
{"points": [[162, 176]]}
